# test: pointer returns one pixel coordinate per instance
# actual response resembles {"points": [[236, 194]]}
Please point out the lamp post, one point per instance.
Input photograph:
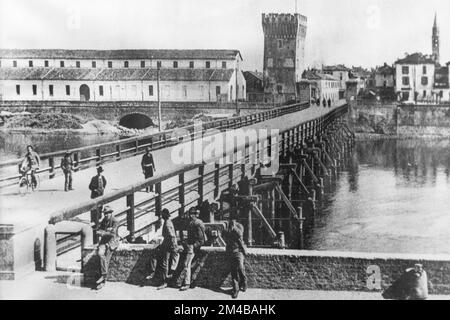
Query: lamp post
{"points": [[236, 88]]}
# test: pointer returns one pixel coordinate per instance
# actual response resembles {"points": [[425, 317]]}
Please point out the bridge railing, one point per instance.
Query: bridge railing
{"points": [[192, 184], [95, 155]]}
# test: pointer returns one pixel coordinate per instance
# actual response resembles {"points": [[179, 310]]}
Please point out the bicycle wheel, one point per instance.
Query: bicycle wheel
{"points": [[36, 186], [23, 185]]}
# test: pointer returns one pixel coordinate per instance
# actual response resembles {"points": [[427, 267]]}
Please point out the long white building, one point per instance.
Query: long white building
{"points": [[121, 75]]}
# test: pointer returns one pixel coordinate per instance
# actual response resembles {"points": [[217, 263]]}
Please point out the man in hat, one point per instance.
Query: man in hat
{"points": [[67, 168], [168, 249], [97, 187], [148, 166], [195, 239], [31, 163], [109, 242], [236, 251]]}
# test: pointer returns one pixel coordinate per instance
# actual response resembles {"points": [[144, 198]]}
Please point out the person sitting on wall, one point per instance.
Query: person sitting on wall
{"points": [[236, 251], [107, 245], [168, 250], [324, 102], [192, 245]]}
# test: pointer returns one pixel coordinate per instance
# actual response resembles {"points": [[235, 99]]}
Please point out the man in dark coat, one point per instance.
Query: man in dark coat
{"points": [[195, 239], [67, 168], [235, 248], [108, 243], [97, 187], [329, 103], [148, 166], [168, 249]]}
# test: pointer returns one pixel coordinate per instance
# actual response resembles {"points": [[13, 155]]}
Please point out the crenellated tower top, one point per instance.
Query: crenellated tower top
{"points": [[282, 25]]}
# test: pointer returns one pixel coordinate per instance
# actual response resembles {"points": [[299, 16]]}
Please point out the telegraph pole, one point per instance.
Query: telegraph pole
{"points": [[236, 85], [159, 99]]}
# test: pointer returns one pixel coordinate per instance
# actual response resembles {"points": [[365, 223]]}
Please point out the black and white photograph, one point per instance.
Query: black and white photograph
{"points": [[238, 151]]}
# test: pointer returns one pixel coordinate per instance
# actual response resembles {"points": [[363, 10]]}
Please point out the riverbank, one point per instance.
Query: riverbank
{"points": [[65, 123], [368, 136]]}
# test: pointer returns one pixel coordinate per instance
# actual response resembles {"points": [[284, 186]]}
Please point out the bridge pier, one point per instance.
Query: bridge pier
{"points": [[310, 162]]}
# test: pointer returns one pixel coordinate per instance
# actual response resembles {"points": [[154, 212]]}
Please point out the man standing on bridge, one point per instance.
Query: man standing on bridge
{"points": [[108, 243], [97, 187], [236, 251], [67, 168], [148, 166]]}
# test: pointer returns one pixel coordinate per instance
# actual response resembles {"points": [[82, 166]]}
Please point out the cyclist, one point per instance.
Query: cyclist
{"points": [[31, 164]]}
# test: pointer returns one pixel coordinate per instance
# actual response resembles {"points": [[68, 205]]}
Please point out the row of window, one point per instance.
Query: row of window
{"points": [[126, 64], [100, 90], [332, 84], [423, 81], [405, 70]]}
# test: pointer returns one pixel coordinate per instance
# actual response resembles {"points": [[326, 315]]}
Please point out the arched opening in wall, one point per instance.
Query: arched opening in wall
{"points": [[85, 94], [136, 121]]}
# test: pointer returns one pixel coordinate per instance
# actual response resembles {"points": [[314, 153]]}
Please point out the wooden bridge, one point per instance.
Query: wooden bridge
{"points": [[311, 145]]}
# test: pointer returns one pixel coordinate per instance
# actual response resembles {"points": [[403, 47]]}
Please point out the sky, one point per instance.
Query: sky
{"points": [[353, 32]]}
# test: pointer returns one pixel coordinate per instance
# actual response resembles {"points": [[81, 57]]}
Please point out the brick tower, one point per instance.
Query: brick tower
{"points": [[284, 52], [435, 40]]}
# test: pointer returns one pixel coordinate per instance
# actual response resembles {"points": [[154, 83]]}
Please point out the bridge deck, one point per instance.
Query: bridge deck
{"points": [[36, 208]]}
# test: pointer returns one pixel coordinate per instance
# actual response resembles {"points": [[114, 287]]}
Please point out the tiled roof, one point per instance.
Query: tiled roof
{"points": [[310, 75], [115, 74], [385, 70], [416, 58], [255, 74], [339, 67], [118, 54], [23, 73]]}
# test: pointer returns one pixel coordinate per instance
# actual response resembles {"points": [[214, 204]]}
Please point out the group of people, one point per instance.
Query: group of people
{"points": [[31, 163], [172, 262], [325, 102]]}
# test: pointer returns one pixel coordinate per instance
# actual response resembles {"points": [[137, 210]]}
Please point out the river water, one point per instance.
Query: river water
{"points": [[393, 197]]}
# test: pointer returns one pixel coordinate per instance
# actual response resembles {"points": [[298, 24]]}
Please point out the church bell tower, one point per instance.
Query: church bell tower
{"points": [[435, 40]]}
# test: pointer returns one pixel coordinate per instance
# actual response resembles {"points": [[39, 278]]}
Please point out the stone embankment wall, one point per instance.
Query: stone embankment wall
{"points": [[423, 120], [373, 118], [114, 111], [392, 119], [284, 269]]}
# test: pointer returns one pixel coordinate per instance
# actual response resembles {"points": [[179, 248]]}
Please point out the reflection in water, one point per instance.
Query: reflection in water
{"points": [[392, 198]]}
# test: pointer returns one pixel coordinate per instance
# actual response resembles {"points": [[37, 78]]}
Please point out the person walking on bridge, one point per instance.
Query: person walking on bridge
{"points": [[97, 187], [108, 243], [148, 166], [67, 168], [236, 251]]}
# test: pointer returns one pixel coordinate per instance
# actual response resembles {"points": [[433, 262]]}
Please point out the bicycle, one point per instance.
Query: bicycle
{"points": [[25, 182]]}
